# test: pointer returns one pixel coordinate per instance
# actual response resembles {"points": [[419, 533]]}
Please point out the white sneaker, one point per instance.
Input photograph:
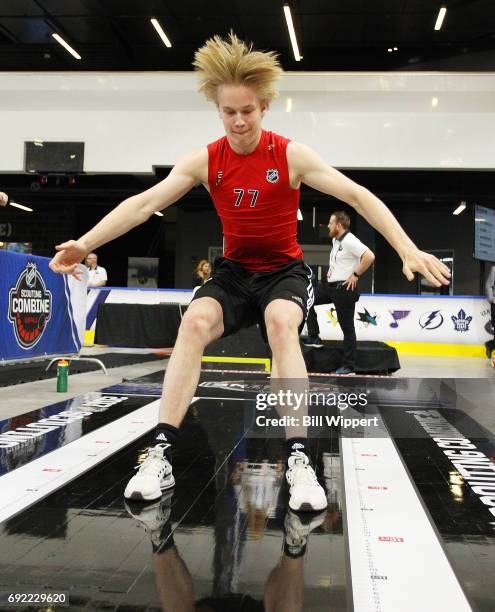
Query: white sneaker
{"points": [[297, 528], [154, 517], [154, 476], [306, 493]]}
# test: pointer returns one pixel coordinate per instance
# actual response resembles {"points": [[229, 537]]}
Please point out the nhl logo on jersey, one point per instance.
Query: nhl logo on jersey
{"points": [[272, 175]]}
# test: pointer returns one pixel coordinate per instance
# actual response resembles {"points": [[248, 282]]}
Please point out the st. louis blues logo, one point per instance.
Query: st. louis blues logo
{"points": [[461, 321], [397, 315], [272, 175]]}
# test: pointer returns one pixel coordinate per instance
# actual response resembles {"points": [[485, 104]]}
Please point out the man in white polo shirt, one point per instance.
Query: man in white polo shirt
{"points": [[349, 259], [97, 275]]}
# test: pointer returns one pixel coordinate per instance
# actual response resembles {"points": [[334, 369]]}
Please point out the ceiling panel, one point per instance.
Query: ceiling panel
{"points": [[20, 8], [332, 34]]}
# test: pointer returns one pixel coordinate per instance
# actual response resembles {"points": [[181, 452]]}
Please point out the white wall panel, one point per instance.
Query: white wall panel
{"points": [[132, 121]]}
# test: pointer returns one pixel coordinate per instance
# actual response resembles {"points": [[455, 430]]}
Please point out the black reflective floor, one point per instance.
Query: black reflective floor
{"points": [[223, 540], [218, 538]]}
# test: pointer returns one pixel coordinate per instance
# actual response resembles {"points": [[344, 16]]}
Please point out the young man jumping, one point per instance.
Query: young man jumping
{"points": [[253, 177]]}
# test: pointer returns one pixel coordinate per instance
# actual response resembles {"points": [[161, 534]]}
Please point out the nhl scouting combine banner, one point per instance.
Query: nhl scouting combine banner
{"points": [[41, 313]]}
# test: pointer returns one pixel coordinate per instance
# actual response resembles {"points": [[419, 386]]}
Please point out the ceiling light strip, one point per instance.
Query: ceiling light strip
{"points": [[21, 206], [66, 46], [292, 33], [161, 33], [440, 18]]}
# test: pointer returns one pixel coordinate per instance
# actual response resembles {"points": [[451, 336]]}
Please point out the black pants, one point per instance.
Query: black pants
{"points": [[345, 304]]}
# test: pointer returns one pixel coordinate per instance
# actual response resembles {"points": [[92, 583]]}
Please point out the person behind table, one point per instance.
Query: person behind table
{"points": [[202, 273], [97, 275]]}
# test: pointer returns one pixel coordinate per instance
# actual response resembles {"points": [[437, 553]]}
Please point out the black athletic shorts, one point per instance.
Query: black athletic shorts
{"points": [[245, 295]]}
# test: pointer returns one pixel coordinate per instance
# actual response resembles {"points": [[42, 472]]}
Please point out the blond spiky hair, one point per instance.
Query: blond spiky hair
{"points": [[231, 61]]}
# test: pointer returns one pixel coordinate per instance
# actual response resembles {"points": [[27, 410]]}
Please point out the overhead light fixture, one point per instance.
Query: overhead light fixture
{"points": [[292, 33], [21, 206], [288, 105], [299, 215], [66, 46], [460, 208], [161, 33], [390, 49], [158, 213], [440, 18], [396, 48]]}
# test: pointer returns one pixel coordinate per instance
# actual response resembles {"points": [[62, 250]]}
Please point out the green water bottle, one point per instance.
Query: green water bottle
{"points": [[62, 376]]}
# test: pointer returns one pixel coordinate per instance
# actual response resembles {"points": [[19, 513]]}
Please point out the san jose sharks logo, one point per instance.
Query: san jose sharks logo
{"points": [[367, 319], [272, 175], [461, 321]]}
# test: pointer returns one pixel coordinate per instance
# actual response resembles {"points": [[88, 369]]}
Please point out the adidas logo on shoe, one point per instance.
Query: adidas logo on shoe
{"points": [[297, 445]]}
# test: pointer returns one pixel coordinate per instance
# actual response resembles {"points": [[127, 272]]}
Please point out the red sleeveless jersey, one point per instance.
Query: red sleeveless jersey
{"points": [[255, 203]]}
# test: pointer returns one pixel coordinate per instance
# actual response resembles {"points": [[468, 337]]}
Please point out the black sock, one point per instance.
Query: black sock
{"points": [[167, 540], [166, 434], [294, 552], [297, 444]]}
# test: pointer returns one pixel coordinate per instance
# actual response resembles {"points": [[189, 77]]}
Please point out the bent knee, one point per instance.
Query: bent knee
{"points": [[281, 327], [199, 326]]}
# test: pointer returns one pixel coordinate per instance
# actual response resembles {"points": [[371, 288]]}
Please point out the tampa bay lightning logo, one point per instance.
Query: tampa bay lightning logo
{"points": [[461, 321], [272, 175], [431, 320]]}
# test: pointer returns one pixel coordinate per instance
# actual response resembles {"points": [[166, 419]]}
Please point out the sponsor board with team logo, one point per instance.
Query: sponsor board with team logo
{"points": [[436, 319]]}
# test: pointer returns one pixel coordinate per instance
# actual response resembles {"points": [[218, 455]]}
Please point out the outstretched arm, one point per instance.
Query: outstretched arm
{"points": [[307, 167], [189, 171]]}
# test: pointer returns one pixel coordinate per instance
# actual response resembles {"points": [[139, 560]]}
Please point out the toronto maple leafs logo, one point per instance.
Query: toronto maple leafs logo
{"points": [[461, 321], [272, 175]]}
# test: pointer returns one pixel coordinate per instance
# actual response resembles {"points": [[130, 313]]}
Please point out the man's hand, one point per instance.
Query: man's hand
{"points": [[426, 264], [4, 198], [67, 260], [351, 282]]}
